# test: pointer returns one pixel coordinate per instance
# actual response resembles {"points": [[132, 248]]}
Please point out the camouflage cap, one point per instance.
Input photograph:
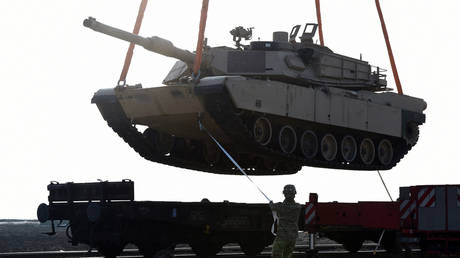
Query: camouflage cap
{"points": [[289, 189]]}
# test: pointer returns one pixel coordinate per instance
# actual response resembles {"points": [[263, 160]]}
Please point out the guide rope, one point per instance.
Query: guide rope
{"points": [[391, 198], [202, 128], [274, 214], [383, 182]]}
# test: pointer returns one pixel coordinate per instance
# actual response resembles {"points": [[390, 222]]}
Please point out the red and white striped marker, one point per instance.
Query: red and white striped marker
{"points": [[406, 208], [310, 213], [427, 197]]}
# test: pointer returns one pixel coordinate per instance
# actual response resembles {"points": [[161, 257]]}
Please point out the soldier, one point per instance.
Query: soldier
{"points": [[288, 213]]}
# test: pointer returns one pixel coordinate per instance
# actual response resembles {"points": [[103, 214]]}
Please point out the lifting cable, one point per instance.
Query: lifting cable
{"points": [[274, 214], [129, 53], [391, 198], [199, 44], [390, 51], [320, 24]]}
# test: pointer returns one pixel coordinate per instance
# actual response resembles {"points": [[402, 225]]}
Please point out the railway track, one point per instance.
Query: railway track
{"points": [[233, 251]]}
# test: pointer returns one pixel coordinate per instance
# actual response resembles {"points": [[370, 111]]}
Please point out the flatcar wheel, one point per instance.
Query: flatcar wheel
{"points": [[385, 152], [252, 249], [156, 250], [206, 249], [211, 153], [353, 245], [309, 144], [349, 148], [287, 139], [164, 142], [147, 250], [253, 244], [262, 131], [329, 147], [110, 250], [367, 151]]}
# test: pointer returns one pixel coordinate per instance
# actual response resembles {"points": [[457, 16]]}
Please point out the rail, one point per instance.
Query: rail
{"points": [[324, 250]]}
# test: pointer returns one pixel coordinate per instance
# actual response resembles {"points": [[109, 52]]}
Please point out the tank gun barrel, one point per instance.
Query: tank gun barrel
{"points": [[154, 44]]}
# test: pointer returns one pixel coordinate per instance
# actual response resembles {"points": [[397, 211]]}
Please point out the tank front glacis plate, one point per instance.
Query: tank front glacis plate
{"points": [[171, 109]]}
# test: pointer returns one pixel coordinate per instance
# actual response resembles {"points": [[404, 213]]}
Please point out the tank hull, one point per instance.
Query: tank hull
{"points": [[348, 126]]}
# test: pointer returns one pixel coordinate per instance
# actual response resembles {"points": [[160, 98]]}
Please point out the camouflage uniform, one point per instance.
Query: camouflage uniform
{"points": [[288, 213]]}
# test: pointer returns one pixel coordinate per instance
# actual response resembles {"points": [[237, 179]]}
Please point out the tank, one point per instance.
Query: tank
{"points": [[275, 106]]}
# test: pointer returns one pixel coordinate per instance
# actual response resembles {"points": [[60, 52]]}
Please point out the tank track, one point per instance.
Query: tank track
{"points": [[237, 125], [180, 156], [254, 158]]}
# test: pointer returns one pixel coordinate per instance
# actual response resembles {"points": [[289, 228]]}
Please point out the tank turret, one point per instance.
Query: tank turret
{"points": [[275, 105], [282, 59]]}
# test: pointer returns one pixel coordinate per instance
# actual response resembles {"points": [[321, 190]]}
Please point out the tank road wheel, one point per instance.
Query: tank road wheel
{"points": [[349, 148], [262, 131], [287, 139], [151, 135], [367, 151], [309, 144], [211, 153], [270, 164], [164, 142], [385, 152], [412, 132], [329, 147]]}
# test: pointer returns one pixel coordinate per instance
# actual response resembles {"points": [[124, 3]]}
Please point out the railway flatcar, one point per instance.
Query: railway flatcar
{"points": [[104, 216]]}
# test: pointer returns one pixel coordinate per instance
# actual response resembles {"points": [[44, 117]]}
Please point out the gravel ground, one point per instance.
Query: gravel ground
{"points": [[28, 235]]}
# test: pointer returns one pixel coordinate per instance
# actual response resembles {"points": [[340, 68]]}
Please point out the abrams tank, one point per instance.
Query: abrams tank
{"points": [[276, 106]]}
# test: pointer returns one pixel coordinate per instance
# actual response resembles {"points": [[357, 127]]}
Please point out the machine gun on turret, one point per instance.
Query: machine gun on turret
{"points": [[240, 33]]}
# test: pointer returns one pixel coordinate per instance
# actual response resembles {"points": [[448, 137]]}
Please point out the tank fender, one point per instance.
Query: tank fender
{"points": [[210, 85], [104, 96], [409, 125], [108, 104], [410, 116]]}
